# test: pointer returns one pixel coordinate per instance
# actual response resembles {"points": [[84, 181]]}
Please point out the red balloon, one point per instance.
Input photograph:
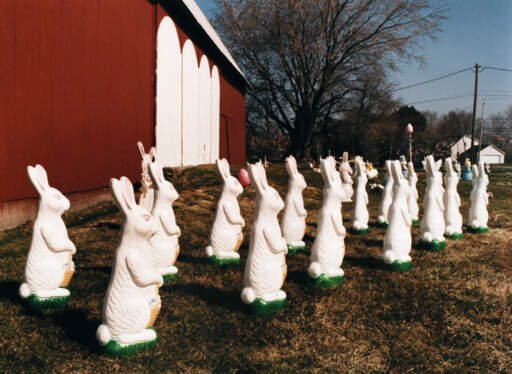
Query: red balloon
{"points": [[243, 177]]}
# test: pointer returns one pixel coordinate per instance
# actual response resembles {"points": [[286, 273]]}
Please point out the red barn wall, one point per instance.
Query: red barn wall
{"points": [[76, 91]]}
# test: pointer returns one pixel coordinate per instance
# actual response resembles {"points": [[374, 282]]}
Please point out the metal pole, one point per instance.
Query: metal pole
{"points": [[481, 131], [410, 147], [477, 68]]}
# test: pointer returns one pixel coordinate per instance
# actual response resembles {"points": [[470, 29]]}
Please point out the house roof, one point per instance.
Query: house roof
{"points": [[462, 137], [467, 152], [484, 146], [210, 31]]}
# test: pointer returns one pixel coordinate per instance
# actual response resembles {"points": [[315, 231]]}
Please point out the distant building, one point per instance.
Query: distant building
{"points": [[461, 146], [490, 154]]}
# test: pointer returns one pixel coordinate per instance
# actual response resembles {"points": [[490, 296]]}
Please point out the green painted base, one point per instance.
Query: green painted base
{"points": [[263, 308], [170, 277], [48, 303], [216, 261], [435, 245], [325, 282], [456, 236], [383, 225], [292, 250], [359, 232], [114, 349], [479, 230], [400, 267], [415, 222]]}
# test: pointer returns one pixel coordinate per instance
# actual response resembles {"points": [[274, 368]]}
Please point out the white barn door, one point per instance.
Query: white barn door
{"points": [[190, 113], [168, 95], [205, 123], [215, 115]]}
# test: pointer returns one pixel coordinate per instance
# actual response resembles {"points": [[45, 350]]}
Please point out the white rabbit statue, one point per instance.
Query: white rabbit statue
{"points": [[478, 215], [265, 270], [432, 226], [359, 224], [387, 197], [293, 223], [329, 249], [226, 233], [346, 178], [452, 216], [165, 245], [146, 198], [49, 266], [398, 241], [132, 301], [412, 201]]}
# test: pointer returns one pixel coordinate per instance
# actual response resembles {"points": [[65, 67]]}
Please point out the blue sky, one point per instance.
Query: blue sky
{"points": [[476, 31]]}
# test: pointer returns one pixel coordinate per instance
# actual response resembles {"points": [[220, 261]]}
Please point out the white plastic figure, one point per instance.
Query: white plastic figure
{"points": [[146, 198], [165, 245], [387, 197], [293, 223], [360, 215], [265, 270], [49, 266], [432, 224], [329, 249], [398, 241], [371, 172], [132, 302], [226, 233], [346, 178], [452, 216], [478, 215], [412, 201]]}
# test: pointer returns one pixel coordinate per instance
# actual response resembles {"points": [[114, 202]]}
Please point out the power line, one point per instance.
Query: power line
{"points": [[431, 80], [493, 68]]}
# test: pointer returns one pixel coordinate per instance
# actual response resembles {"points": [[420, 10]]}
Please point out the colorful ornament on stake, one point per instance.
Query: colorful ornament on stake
{"points": [[226, 233], [265, 270], [293, 223], [452, 216], [398, 241], [387, 197], [432, 224], [49, 265], [359, 224], [329, 248], [478, 214], [132, 302], [466, 170], [243, 177], [165, 245], [147, 195]]}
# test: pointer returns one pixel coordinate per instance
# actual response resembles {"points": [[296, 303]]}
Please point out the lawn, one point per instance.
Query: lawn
{"points": [[451, 313]]}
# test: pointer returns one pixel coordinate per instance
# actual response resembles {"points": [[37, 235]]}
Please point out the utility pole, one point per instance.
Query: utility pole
{"points": [[477, 68], [481, 131]]}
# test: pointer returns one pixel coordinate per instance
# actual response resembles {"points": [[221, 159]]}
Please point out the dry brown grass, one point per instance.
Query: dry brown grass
{"points": [[450, 313]]}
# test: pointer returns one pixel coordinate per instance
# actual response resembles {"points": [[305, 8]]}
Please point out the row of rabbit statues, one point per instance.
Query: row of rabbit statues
{"points": [[149, 244]]}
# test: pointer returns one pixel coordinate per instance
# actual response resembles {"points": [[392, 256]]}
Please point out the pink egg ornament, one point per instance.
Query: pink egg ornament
{"points": [[243, 177]]}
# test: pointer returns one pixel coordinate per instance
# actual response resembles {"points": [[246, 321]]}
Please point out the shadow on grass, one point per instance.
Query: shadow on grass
{"points": [[364, 262], [229, 300], [373, 242], [103, 269], [297, 276], [78, 327], [9, 291], [193, 260]]}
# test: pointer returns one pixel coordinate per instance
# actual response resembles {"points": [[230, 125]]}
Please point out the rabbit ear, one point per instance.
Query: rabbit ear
{"points": [[396, 171], [227, 171], [263, 175], [388, 166], [438, 164], [291, 166], [116, 190], [128, 193], [154, 173], [410, 166], [474, 171], [141, 149], [43, 177], [34, 176], [220, 168], [481, 169], [152, 153], [345, 156], [254, 175]]}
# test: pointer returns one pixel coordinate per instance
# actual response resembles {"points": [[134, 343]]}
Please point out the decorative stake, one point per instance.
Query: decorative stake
{"points": [[226, 233], [49, 266], [293, 224], [132, 301], [265, 270]]}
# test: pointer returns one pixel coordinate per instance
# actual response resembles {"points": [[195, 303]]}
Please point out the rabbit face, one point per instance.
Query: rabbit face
{"points": [[147, 158], [332, 180], [138, 220], [273, 200], [234, 186], [164, 188], [270, 199], [400, 184], [231, 183], [51, 199]]}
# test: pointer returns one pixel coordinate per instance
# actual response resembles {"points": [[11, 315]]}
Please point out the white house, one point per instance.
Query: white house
{"points": [[461, 146], [490, 154]]}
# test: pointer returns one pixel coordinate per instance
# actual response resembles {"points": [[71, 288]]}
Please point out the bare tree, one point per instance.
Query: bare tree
{"points": [[304, 58]]}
